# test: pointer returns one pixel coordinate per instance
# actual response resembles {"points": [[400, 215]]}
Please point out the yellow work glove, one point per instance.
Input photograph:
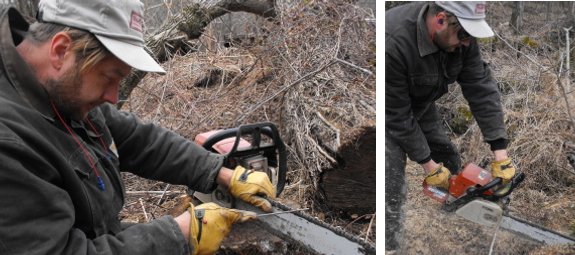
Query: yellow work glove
{"points": [[252, 187], [210, 224], [503, 169], [439, 177]]}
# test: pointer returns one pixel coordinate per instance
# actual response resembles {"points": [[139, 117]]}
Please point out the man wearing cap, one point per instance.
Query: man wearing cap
{"points": [[63, 143], [428, 46]]}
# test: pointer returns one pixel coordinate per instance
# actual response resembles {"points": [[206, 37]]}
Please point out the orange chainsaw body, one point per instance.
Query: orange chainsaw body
{"points": [[470, 176]]}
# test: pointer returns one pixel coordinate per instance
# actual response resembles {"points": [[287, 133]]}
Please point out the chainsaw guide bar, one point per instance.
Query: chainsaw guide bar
{"points": [[310, 232], [534, 232], [490, 214]]}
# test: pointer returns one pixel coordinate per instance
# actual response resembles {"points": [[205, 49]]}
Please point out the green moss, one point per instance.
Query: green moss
{"points": [[465, 113], [529, 42], [461, 119], [487, 40]]}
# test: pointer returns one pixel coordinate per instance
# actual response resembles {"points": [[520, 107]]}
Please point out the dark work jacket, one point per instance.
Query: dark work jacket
{"points": [[50, 202], [417, 73]]}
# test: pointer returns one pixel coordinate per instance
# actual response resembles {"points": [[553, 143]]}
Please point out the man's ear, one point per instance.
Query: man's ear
{"points": [[60, 45], [441, 20]]}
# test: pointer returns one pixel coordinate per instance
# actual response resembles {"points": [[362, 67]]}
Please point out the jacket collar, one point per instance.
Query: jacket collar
{"points": [[18, 72], [424, 43]]}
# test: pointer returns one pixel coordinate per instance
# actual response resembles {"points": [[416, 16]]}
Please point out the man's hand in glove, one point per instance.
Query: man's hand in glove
{"points": [[252, 187], [503, 169], [210, 224], [439, 177]]}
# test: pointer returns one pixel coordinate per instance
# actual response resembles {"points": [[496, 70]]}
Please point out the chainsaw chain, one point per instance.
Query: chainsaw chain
{"points": [[368, 247]]}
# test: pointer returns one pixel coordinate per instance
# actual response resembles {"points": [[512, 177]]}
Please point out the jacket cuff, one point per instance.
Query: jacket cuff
{"points": [[210, 184], [179, 236], [425, 160], [499, 144]]}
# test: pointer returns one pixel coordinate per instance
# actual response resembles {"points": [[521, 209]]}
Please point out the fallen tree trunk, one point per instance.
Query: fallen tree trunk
{"points": [[191, 22], [350, 187]]}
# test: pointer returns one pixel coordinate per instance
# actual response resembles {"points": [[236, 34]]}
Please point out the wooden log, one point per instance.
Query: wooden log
{"points": [[350, 187]]}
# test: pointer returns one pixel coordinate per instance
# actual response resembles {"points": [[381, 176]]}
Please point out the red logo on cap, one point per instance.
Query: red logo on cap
{"points": [[136, 21], [480, 9]]}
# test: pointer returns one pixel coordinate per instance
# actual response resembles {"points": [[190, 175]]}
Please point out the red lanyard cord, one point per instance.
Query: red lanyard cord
{"points": [[100, 181], [104, 147]]}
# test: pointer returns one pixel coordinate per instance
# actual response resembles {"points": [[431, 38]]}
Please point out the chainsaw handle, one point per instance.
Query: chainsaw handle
{"points": [[475, 191], [517, 179], [256, 130]]}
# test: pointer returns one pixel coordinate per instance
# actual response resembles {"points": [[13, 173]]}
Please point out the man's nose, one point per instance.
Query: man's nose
{"points": [[111, 94], [466, 42]]}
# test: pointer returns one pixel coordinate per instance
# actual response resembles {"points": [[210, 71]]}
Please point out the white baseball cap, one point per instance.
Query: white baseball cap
{"points": [[471, 16], [118, 25]]}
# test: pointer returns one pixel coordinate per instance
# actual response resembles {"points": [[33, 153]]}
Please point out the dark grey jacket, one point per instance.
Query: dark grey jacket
{"points": [[417, 73], [50, 202]]}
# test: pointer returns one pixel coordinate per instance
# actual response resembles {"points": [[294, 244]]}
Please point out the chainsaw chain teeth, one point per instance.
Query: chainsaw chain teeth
{"points": [[369, 248]]}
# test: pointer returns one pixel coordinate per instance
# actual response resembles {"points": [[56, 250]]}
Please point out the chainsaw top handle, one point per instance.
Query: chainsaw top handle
{"points": [[479, 191], [515, 181], [269, 149]]}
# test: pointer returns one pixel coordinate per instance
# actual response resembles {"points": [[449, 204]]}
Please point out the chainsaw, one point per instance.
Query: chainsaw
{"points": [[473, 182], [478, 197], [259, 147]]}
